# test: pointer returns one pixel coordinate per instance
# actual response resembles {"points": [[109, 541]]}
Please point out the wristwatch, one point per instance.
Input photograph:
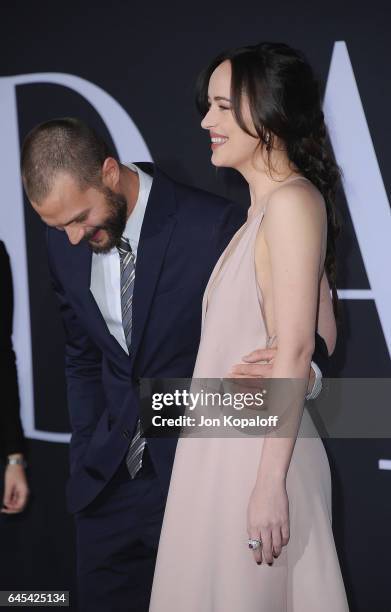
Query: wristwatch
{"points": [[16, 461]]}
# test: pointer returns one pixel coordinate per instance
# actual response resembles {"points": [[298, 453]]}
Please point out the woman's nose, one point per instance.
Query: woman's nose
{"points": [[208, 121]]}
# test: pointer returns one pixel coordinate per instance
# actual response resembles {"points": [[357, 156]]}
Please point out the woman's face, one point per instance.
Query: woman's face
{"points": [[231, 146]]}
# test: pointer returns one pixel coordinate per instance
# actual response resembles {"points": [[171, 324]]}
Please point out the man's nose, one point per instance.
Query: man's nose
{"points": [[75, 234]]}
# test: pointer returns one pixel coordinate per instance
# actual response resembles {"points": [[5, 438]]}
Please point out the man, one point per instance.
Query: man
{"points": [[12, 445], [129, 266]]}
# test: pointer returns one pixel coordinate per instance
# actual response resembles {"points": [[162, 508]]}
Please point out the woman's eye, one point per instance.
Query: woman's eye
{"points": [[224, 107]]}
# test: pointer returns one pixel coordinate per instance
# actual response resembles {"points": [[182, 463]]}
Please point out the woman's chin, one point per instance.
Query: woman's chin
{"points": [[218, 161]]}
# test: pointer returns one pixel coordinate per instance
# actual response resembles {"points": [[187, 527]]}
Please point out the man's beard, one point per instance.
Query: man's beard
{"points": [[114, 224]]}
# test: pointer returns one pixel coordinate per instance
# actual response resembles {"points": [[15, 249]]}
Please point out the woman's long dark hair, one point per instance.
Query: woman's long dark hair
{"points": [[285, 101]]}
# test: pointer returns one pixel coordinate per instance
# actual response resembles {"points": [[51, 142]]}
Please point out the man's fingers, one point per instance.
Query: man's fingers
{"points": [[15, 498], [7, 497], [8, 511], [250, 370], [22, 499], [16, 503], [260, 355]]}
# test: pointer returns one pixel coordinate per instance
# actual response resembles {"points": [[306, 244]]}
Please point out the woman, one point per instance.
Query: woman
{"points": [[262, 108]]}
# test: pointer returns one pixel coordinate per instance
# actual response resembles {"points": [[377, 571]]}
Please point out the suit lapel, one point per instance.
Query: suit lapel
{"points": [[158, 224], [80, 264]]}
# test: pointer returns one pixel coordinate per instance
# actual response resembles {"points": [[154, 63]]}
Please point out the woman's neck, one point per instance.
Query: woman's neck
{"points": [[261, 181]]}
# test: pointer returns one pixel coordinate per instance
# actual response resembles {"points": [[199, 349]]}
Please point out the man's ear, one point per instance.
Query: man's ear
{"points": [[110, 173]]}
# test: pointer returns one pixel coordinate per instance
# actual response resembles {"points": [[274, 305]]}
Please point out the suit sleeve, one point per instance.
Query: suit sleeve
{"points": [[83, 372], [11, 433], [321, 356]]}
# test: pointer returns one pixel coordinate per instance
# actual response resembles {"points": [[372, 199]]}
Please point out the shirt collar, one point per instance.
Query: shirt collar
{"points": [[133, 225]]}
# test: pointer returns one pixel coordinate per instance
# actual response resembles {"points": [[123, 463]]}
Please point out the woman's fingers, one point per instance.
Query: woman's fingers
{"points": [[268, 520], [272, 542], [285, 534], [267, 547], [277, 541], [257, 553]]}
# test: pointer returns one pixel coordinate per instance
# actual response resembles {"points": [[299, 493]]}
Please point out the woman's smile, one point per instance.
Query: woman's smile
{"points": [[217, 140]]}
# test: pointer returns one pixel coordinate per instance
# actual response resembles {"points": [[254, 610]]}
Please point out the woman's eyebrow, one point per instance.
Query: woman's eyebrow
{"points": [[217, 98]]}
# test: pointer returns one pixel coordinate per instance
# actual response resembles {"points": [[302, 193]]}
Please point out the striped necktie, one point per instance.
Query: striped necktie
{"points": [[134, 455]]}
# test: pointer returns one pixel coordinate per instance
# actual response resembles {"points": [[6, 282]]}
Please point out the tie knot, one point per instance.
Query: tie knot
{"points": [[124, 247]]}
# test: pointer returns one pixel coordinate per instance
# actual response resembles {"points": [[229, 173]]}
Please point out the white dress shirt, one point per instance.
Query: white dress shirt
{"points": [[105, 281]]}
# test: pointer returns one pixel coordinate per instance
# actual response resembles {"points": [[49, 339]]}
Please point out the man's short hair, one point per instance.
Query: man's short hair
{"points": [[61, 145]]}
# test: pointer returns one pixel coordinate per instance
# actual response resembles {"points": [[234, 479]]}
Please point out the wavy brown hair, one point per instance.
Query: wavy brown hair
{"points": [[285, 102]]}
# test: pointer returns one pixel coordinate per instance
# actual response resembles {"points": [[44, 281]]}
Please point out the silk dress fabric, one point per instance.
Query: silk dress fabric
{"points": [[204, 563]]}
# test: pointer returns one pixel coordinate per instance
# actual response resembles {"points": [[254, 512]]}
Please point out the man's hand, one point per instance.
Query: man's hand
{"points": [[16, 489], [259, 364]]}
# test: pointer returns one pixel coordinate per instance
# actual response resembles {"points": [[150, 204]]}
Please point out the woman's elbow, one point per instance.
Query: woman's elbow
{"points": [[300, 353]]}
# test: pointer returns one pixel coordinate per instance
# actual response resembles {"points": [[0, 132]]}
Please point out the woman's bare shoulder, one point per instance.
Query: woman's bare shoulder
{"points": [[300, 193], [296, 206]]}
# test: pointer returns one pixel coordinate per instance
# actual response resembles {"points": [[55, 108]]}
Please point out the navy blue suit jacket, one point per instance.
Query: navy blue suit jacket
{"points": [[183, 234], [11, 432]]}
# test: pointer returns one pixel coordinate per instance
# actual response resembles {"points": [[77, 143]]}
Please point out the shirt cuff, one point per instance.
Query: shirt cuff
{"points": [[317, 388]]}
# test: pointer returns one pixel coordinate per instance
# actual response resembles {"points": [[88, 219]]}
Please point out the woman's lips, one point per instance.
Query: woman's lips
{"points": [[217, 141]]}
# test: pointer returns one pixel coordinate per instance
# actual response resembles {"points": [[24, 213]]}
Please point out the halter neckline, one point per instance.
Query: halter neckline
{"points": [[257, 207]]}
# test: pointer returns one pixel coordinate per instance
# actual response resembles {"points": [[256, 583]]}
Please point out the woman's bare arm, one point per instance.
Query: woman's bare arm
{"points": [[294, 229], [295, 235]]}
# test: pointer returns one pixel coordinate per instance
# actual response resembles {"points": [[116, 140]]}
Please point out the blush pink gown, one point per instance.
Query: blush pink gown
{"points": [[204, 564]]}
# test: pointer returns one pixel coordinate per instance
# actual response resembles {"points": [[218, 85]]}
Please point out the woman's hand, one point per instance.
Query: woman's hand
{"points": [[268, 518], [16, 489]]}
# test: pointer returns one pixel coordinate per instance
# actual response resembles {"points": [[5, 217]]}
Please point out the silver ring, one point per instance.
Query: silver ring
{"points": [[254, 544]]}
